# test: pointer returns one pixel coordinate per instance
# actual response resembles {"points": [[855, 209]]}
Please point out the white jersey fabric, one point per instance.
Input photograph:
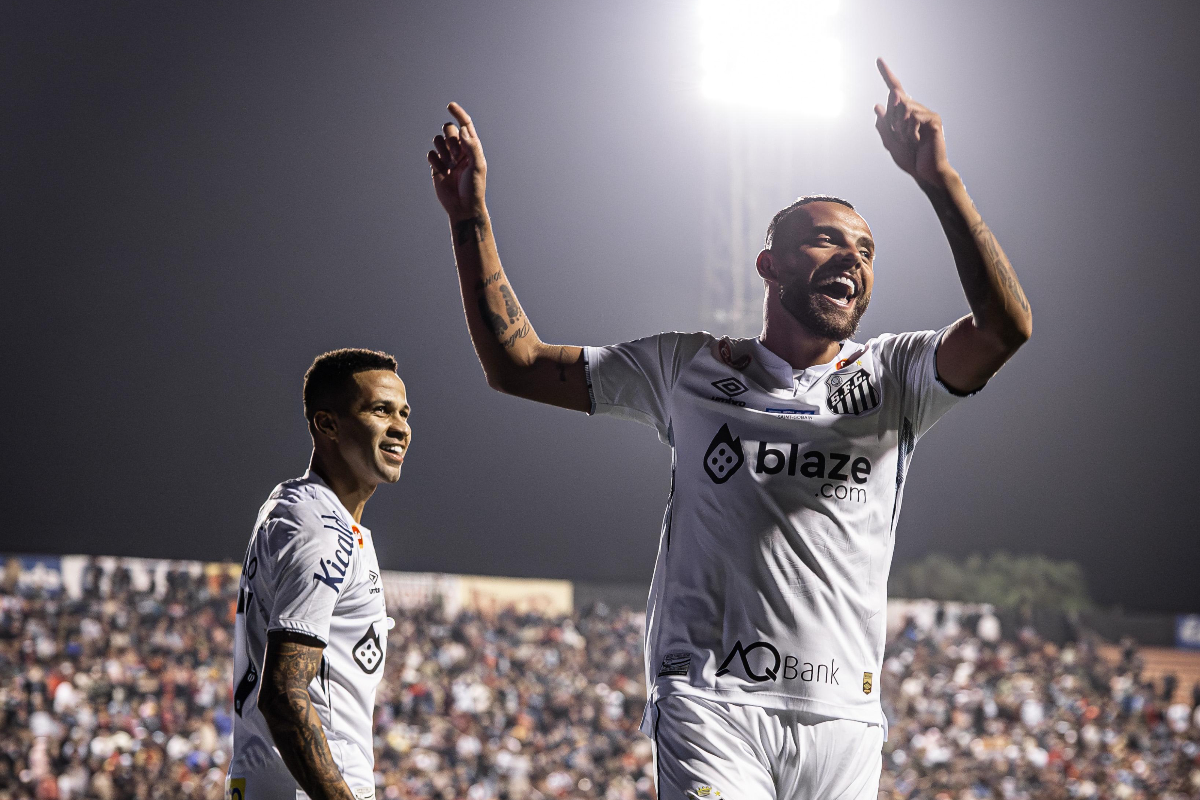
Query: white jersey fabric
{"points": [[311, 569], [770, 587]]}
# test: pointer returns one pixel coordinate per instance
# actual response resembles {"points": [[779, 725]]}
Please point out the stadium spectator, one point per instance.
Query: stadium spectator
{"points": [[127, 694]]}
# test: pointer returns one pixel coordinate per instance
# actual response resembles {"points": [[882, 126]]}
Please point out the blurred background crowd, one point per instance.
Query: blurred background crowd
{"points": [[122, 693]]}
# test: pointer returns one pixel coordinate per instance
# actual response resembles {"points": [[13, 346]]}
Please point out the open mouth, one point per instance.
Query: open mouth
{"points": [[840, 289], [393, 452]]}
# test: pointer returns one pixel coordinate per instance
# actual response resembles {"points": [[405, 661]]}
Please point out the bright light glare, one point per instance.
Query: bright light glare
{"points": [[778, 55]]}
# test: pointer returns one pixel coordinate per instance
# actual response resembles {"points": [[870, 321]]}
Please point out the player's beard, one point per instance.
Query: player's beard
{"points": [[817, 313]]}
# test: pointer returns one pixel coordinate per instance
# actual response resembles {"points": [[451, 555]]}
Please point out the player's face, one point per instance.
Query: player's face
{"points": [[374, 434], [824, 262]]}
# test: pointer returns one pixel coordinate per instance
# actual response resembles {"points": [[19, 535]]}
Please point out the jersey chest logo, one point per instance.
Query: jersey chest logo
{"points": [[724, 456], [368, 653], [851, 392]]}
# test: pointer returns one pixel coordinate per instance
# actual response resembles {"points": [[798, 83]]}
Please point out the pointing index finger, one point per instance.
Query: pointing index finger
{"points": [[889, 77], [459, 114]]}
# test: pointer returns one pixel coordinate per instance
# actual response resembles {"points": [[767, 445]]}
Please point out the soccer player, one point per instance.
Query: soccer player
{"points": [[311, 629], [766, 616]]}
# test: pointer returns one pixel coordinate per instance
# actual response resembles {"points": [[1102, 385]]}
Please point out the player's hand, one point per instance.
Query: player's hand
{"points": [[458, 168], [911, 133]]}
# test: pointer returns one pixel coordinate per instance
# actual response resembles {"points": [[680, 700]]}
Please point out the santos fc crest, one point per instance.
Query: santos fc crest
{"points": [[851, 392]]}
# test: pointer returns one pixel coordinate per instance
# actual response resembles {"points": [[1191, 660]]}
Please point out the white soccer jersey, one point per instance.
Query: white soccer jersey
{"points": [[309, 568], [770, 587]]}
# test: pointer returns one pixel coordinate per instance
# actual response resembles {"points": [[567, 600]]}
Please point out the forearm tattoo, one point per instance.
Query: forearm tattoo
{"points": [[510, 303], [468, 230], [983, 267], [998, 264], [494, 321], [510, 341], [485, 294], [293, 719]]}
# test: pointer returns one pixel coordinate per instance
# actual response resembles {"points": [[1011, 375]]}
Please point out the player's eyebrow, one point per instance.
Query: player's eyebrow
{"points": [[867, 242]]}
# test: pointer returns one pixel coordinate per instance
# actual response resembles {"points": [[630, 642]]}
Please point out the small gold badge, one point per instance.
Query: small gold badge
{"points": [[867, 682]]}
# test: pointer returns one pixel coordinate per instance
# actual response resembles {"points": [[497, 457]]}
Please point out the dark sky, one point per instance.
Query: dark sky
{"points": [[200, 197]]}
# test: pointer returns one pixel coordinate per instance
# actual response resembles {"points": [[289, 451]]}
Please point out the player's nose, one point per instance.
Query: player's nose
{"points": [[400, 429]]}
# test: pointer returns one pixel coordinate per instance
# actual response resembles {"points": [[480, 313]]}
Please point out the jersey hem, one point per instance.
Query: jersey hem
{"points": [[871, 716], [299, 626]]}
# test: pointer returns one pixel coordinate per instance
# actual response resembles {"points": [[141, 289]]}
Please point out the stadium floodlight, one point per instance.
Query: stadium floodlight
{"points": [[782, 56]]}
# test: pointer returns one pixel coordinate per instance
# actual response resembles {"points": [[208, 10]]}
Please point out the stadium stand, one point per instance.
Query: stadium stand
{"points": [[121, 689]]}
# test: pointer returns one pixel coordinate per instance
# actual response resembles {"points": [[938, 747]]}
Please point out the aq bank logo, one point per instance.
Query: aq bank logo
{"points": [[724, 456], [769, 664]]}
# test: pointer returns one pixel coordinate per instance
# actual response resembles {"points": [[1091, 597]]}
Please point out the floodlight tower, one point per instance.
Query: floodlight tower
{"points": [[765, 65]]}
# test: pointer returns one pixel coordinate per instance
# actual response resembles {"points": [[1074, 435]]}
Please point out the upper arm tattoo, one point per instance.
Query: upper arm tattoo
{"points": [[288, 669]]}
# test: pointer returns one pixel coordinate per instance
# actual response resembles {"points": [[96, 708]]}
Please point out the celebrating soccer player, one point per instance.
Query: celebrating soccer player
{"points": [[766, 617], [311, 628]]}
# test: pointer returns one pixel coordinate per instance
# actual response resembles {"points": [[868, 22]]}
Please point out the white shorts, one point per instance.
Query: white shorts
{"points": [[723, 751]]}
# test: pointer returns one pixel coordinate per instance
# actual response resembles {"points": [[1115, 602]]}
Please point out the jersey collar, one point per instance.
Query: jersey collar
{"points": [[311, 477], [783, 372]]}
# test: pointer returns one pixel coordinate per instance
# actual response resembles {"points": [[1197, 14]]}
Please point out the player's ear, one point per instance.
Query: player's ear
{"points": [[325, 423], [765, 264]]}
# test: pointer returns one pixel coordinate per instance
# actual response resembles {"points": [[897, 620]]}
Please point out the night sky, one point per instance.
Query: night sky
{"points": [[200, 197]]}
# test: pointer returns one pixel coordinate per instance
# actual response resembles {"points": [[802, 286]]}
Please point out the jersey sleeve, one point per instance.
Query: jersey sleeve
{"points": [[634, 380], [306, 580], [911, 358]]}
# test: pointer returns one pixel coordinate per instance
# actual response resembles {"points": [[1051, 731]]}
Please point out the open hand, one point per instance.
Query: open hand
{"points": [[458, 168], [911, 133]]}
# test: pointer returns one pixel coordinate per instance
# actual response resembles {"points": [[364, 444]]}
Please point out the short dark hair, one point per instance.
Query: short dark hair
{"points": [[800, 201], [329, 382]]}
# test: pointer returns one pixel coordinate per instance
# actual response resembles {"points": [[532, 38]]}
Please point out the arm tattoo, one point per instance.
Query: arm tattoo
{"points": [[293, 720], [994, 257], [494, 321], [520, 333], [510, 303], [490, 279], [468, 230], [983, 267], [562, 364]]}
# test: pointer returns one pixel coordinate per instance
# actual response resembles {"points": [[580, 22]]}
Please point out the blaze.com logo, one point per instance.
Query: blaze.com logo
{"points": [[724, 456]]}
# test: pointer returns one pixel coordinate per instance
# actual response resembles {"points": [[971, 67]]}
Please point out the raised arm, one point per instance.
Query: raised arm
{"points": [[1000, 320], [515, 361], [291, 663]]}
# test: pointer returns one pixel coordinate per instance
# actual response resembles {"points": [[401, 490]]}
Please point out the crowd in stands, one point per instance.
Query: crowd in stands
{"points": [[124, 693]]}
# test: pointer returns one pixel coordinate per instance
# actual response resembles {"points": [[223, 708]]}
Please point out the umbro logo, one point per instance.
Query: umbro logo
{"points": [[730, 387]]}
